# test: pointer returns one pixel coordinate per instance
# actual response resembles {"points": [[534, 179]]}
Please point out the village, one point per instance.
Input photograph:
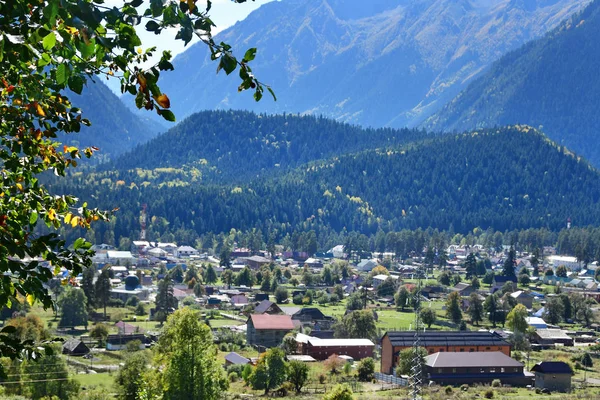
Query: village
{"points": [[352, 317]]}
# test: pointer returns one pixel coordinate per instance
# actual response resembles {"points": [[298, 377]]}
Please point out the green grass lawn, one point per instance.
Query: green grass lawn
{"points": [[88, 381]]}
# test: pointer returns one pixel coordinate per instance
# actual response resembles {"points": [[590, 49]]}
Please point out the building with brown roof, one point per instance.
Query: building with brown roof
{"points": [[451, 368], [267, 330]]}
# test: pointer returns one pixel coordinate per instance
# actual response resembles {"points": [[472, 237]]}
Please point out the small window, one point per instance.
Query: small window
{"points": [[493, 370], [471, 350], [488, 348], [462, 350], [439, 370], [453, 369], [482, 371], [502, 370]]}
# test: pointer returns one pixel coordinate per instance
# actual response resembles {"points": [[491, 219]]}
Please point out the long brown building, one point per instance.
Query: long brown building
{"points": [[392, 343]]}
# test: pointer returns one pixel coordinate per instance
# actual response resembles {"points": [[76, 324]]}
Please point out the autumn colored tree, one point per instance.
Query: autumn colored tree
{"points": [[47, 47]]}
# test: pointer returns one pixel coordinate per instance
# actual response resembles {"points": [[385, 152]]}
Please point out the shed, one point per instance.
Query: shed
{"points": [[234, 358], [553, 375], [75, 347]]}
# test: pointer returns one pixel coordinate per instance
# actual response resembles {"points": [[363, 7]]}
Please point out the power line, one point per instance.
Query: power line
{"points": [[36, 381]]}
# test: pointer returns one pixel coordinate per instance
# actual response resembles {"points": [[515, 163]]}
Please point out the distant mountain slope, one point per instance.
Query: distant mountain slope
{"points": [[375, 63], [227, 146], [509, 178], [115, 129], [552, 82]]}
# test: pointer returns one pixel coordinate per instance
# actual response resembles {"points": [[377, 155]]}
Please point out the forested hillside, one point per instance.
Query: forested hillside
{"points": [[229, 146], [374, 63], [115, 129], [552, 82], [510, 178]]}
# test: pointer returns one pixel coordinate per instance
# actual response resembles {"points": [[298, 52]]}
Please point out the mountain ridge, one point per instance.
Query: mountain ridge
{"points": [[390, 68], [551, 82]]}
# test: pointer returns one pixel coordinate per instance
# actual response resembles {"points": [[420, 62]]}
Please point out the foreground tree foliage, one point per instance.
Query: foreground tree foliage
{"points": [[186, 356], [45, 48], [270, 371]]}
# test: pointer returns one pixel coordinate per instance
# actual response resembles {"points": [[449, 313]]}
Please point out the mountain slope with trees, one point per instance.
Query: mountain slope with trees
{"points": [[504, 179], [551, 82], [227, 146], [376, 63]]}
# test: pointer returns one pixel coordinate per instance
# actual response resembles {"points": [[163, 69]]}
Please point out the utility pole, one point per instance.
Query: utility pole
{"points": [[416, 378]]}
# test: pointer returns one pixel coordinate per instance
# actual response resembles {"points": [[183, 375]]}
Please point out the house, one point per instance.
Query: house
{"points": [[321, 349], [267, 330], [124, 293], [366, 265], [432, 292], [523, 297], [75, 347], [256, 262], [536, 322], [127, 329], [379, 279], [338, 251], [551, 337], [463, 288], [234, 358], [239, 300], [393, 342], [267, 307], [185, 251], [553, 375], [119, 342], [570, 262], [313, 263], [116, 258], [312, 315], [452, 368], [592, 286], [500, 280]]}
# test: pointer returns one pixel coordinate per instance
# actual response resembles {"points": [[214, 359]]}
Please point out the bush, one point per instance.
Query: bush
{"points": [[285, 388], [448, 390], [322, 378], [281, 295], [464, 387], [297, 299], [496, 383], [116, 303], [133, 301], [237, 368], [233, 377], [133, 346], [246, 373], [189, 300], [340, 392], [140, 310], [489, 394], [366, 369]]}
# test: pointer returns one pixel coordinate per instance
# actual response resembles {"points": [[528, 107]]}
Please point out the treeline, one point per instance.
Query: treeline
{"points": [[508, 179]]}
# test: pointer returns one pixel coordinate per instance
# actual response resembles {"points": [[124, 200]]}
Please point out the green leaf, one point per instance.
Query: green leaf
{"points": [[152, 26], [272, 93], [76, 84], [168, 115], [87, 50], [250, 54], [33, 218], [78, 243], [49, 41], [61, 74]]}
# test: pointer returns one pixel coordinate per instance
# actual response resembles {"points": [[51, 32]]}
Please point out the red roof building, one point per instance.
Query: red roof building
{"points": [[267, 330]]}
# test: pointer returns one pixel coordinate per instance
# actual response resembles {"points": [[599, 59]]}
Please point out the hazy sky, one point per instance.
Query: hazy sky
{"points": [[224, 13]]}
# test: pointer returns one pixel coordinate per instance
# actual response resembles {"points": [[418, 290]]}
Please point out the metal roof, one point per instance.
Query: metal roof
{"points": [[235, 358], [446, 338], [483, 359], [339, 342], [552, 367], [266, 321]]}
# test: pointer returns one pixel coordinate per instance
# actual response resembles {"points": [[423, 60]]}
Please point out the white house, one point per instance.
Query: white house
{"points": [[367, 265], [569, 262], [379, 279], [338, 251], [120, 258], [185, 251]]}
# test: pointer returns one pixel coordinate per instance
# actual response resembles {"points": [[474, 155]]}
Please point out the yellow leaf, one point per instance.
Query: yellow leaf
{"points": [[30, 299], [51, 214], [74, 221], [139, 50], [40, 110], [19, 186], [68, 218], [71, 30], [191, 4], [163, 101]]}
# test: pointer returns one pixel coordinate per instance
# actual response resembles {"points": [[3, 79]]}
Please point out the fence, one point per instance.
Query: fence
{"points": [[394, 380]]}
